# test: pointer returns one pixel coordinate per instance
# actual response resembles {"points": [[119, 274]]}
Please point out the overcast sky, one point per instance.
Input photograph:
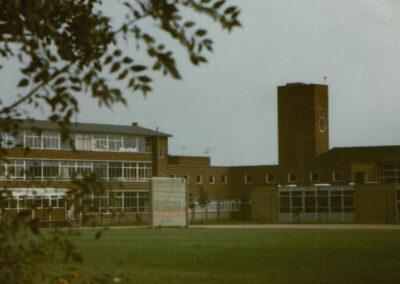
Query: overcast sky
{"points": [[229, 104]]}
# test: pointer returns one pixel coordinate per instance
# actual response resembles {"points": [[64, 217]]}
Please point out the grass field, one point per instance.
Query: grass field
{"points": [[243, 255]]}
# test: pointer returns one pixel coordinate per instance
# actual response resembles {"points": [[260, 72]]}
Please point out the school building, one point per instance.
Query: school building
{"points": [[311, 183]]}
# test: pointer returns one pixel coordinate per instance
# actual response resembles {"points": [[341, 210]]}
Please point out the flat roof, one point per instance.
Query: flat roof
{"points": [[363, 154], [93, 128]]}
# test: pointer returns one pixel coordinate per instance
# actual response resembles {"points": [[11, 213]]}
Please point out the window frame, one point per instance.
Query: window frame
{"points": [[315, 180], [337, 180], [211, 179], [199, 179], [289, 178], [267, 181], [160, 152], [246, 178], [224, 179]]}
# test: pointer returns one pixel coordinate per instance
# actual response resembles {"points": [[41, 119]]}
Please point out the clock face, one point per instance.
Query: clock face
{"points": [[322, 124]]}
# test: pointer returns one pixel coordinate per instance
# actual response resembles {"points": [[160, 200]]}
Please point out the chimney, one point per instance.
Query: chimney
{"points": [[135, 124]]}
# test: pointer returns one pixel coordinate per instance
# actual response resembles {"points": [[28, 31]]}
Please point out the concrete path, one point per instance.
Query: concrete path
{"points": [[302, 226]]}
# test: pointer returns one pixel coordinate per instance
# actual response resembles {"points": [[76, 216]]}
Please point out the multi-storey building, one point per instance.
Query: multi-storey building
{"points": [[126, 157]]}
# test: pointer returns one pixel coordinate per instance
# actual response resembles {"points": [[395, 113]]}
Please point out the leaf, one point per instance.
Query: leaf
{"points": [[230, 10], [201, 32], [117, 52], [108, 60], [157, 66], [23, 83], [127, 60], [115, 67], [59, 81], [144, 79], [138, 68], [218, 4], [189, 24], [145, 89], [122, 75]]}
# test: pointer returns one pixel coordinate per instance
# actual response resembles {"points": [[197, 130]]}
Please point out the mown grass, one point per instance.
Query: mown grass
{"points": [[243, 255]]}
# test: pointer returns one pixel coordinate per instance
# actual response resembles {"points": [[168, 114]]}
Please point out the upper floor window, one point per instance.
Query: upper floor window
{"points": [[82, 141], [248, 178], [292, 177], [337, 176], [269, 178], [314, 177], [224, 179], [45, 140], [186, 177], [160, 152], [173, 175], [211, 179], [199, 179]]}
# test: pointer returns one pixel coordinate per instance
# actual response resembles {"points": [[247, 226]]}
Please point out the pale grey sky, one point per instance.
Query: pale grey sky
{"points": [[229, 104]]}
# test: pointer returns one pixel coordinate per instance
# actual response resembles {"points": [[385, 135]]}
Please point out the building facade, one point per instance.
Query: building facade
{"points": [[311, 182]]}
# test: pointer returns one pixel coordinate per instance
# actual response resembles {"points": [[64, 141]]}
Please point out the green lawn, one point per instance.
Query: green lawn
{"points": [[243, 255]]}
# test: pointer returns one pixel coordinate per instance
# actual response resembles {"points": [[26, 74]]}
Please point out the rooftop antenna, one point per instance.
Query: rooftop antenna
{"points": [[208, 150], [325, 79], [183, 148]]}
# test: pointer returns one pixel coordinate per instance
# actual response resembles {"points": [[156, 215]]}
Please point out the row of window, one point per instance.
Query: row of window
{"points": [[390, 172], [292, 177], [214, 205], [83, 142], [332, 201], [110, 202], [199, 178], [30, 202], [66, 170], [119, 202]]}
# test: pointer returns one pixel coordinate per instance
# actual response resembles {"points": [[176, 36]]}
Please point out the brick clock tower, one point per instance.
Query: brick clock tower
{"points": [[303, 131]]}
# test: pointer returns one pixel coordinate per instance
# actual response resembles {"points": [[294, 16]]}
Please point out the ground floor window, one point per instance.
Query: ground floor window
{"points": [[320, 200], [117, 202], [215, 205]]}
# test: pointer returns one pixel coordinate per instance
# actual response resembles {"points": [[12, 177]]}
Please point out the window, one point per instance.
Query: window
{"points": [[145, 144], [15, 169], [314, 177], [292, 177], [160, 152], [10, 141], [51, 140], [99, 142], [269, 178], [186, 177], [224, 179], [130, 170], [199, 179], [50, 169], [32, 140], [114, 143], [100, 169], [83, 142], [337, 176], [130, 144], [144, 170], [34, 169], [360, 177], [67, 169], [211, 179], [248, 178], [115, 170], [173, 175]]}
